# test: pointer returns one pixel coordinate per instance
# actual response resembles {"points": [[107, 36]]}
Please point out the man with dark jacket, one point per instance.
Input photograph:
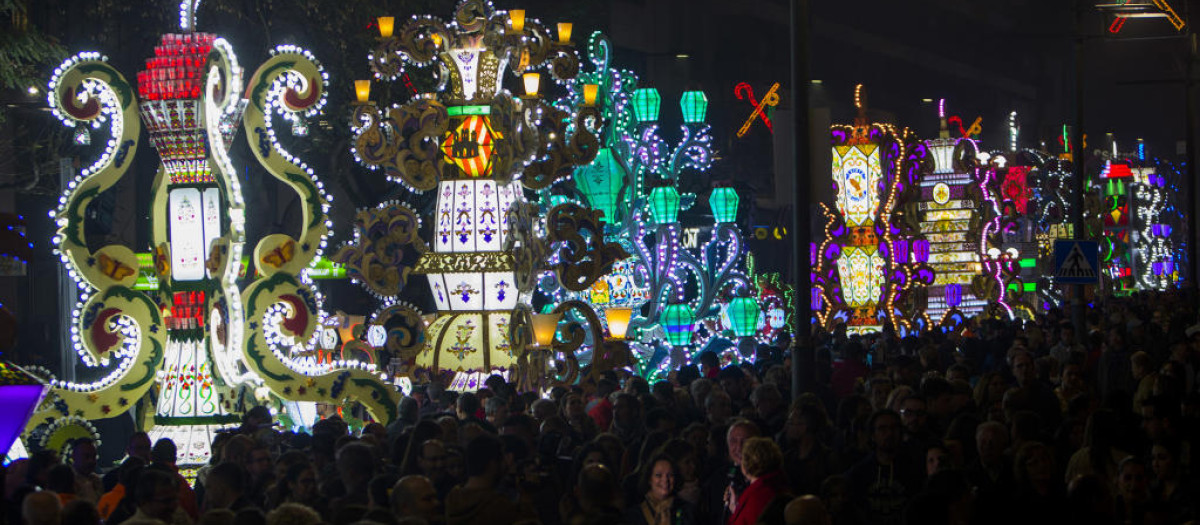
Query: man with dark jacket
{"points": [[478, 501]]}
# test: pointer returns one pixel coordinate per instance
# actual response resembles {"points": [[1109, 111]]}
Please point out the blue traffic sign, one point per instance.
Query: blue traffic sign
{"points": [[1076, 262]]}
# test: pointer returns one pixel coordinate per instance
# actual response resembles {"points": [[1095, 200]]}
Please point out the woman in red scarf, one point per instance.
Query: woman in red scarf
{"points": [[762, 463]]}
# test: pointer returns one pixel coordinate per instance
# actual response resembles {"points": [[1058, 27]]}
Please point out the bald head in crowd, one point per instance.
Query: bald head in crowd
{"points": [[415, 496], [41, 508], [806, 510]]}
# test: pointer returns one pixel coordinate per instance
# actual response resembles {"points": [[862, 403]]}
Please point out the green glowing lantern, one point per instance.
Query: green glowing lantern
{"points": [[556, 200], [743, 314], [645, 104], [680, 323], [601, 183], [664, 204], [724, 204], [695, 106]]}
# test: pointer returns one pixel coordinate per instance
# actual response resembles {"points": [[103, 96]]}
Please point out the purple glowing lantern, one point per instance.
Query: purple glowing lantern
{"points": [[901, 251], [20, 393], [817, 299], [953, 295], [920, 249]]}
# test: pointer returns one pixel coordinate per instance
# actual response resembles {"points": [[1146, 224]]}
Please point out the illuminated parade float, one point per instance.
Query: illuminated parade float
{"points": [[683, 299], [872, 268], [197, 344], [480, 148], [951, 224], [558, 240]]}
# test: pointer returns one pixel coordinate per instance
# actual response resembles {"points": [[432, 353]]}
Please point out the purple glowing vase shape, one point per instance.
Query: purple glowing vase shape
{"points": [[20, 393]]}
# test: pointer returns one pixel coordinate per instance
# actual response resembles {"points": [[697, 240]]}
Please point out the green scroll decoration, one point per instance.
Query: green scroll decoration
{"points": [[282, 307], [112, 322]]}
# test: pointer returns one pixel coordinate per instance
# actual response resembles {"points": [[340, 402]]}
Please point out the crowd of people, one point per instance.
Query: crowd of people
{"points": [[994, 422]]}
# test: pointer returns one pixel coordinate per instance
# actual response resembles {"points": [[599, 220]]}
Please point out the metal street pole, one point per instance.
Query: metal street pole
{"points": [[1078, 156], [802, 346], [1189, 93]]}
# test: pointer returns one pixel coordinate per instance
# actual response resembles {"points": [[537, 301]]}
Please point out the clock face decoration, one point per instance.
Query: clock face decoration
{"points": [[376, 336], [329, 338], [941, 193]]}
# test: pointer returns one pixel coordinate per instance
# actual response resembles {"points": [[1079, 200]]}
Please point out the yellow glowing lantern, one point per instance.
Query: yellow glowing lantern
{"points": [[564, 32], [517, 18], [544, 328], [386, 24], [362, 90], [589, 94], [532, 83], [618, 321], [437, 39]]}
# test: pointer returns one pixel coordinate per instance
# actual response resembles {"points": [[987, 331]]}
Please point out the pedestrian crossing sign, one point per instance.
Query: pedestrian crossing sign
{"points": [[1076, 262]]}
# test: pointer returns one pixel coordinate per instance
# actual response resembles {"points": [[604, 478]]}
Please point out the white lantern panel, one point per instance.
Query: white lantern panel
{"points": [[463, 238], [212, 219], [501, 293], [187, 234], [437, 285], [487, 216], [445, 218], [465, 291]]}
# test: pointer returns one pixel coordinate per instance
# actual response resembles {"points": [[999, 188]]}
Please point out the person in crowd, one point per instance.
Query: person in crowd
{"points": [[82, 512], [293, 514], [478, 501], [111, 499], [298, 484], [1100, 455], [137, 447], [164, 455], [761, 464], [157, 498], [660, 503], [415, 496], [881, 483], [41, 508], [88, 485], [355, 467], [227, 488]]}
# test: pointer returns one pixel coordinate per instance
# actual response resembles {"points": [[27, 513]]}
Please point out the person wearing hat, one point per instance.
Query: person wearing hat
{"points": [[255, 419]]}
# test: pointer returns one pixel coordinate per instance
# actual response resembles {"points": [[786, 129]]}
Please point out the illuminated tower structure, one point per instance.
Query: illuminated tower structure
{"points": [[1116, 183], [951, 223], [1136, 249], [479, 147], [198, 336], [870, 269], [191, 219]]}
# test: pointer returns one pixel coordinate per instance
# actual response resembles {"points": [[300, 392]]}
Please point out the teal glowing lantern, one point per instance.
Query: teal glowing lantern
{"points": [[724, 204], [695, 106], [680, 323], [743, 314], [556, 200], [601, 182], [20, 393], [664, 204], [645, 104]]}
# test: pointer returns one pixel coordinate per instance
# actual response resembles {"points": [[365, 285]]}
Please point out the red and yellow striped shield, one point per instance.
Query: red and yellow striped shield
{"points": [[469, 146]]}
